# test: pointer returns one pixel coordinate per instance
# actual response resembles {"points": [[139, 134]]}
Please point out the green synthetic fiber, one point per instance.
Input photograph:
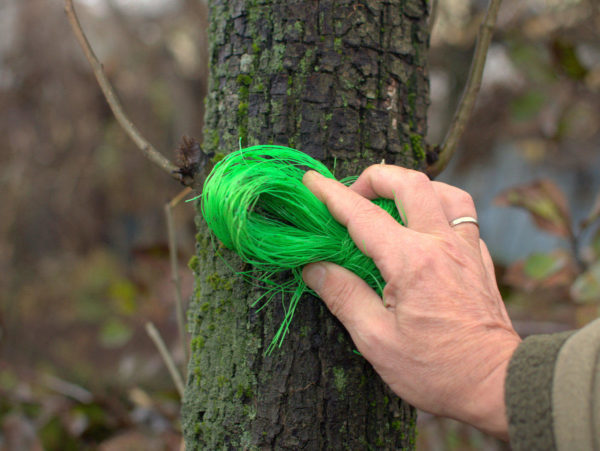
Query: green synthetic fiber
{"points": [[255, 203]]}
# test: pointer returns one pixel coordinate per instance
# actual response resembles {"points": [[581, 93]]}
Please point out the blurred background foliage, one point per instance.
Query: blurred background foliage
{"points": [[83, 244]]}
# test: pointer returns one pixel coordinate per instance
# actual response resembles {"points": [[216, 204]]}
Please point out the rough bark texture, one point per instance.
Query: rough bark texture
{"points": [[340, 80]]}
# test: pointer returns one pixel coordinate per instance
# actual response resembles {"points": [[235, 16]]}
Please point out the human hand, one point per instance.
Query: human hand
{"points": [[441, 337]]}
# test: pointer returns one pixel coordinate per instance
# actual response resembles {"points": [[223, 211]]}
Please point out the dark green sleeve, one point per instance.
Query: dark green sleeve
{"points": [[528, 392], [552, 391]]}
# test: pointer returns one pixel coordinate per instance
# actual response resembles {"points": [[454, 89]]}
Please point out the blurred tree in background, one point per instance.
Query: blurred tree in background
{"points": [[83, 260]]}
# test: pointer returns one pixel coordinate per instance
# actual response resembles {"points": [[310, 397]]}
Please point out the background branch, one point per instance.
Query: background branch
{"points": [[467, 102], [433, 10], [115, 105], [175, 273], [166, 355]]}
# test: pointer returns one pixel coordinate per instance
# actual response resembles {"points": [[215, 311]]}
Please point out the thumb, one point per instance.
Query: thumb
{"points": [[352, 301]]}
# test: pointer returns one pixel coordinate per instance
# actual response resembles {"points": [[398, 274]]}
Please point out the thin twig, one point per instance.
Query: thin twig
{"points": [[175, 273], [166, 356], [115, 105], [68, 389], [177, 199], [433, 15], [467, 102]]}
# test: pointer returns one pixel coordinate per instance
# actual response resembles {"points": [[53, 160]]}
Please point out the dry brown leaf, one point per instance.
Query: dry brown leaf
{"points": [[544, 201]]}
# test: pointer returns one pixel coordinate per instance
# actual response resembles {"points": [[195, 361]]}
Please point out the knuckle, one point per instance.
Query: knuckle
{"points": [[392, 291], [425, 263], [373, 169], [337, 294], [378, 340], [417, 178], [429, 256], [359, 214], [465, 200], [364, 214], [391, 267], [373, 172]]}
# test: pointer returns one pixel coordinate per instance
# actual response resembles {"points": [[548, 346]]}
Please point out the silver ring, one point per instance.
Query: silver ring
{"points": [[464, 220]]}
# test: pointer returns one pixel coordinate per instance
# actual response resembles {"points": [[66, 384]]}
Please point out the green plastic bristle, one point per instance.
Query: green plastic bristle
{"points": [[255, 203]]}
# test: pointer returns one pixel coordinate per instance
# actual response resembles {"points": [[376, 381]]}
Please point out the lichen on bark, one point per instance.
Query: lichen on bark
{"points": [[344, 81]]}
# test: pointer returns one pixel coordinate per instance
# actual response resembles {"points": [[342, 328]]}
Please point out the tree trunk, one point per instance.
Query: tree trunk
{"points": [[345, 82]]}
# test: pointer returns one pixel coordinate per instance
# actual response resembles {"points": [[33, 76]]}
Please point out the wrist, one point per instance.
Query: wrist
{"points": [[485, 407]]}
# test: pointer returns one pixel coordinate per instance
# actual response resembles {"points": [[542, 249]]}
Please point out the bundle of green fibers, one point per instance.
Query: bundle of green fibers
{"points": [[256, 204]]}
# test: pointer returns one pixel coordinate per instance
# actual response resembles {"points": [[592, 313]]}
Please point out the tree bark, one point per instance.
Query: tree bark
{"points": [[345, 82]]}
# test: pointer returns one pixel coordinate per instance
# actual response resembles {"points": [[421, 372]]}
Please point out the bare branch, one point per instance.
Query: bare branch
{"points": [[175, 273], [433, 10], [115, 105], [467, 102], [68, 389], [166, 356]]}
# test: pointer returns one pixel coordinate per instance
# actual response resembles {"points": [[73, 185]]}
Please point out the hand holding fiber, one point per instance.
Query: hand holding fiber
{"points": [[442, 340], [256, 204]]}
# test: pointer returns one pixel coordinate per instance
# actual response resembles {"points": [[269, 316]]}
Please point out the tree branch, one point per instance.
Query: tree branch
{"points": [[164, 352], [467, 102], [433, 10], [148, 149], [175, 272]]}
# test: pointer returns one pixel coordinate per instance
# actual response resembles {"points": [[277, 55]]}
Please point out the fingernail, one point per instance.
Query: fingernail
{"points": [[311, 175], [314, 275]]}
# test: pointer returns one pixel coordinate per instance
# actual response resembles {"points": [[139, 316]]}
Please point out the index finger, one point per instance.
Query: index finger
{"points": [[412, 190], [374, 231]]}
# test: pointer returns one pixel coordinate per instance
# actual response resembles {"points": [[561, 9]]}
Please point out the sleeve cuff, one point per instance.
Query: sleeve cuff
{"points": [[576, 391], [528, 392]]}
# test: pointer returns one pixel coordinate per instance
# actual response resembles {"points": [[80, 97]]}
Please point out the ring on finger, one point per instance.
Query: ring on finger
{"points": [[464, 220]]}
